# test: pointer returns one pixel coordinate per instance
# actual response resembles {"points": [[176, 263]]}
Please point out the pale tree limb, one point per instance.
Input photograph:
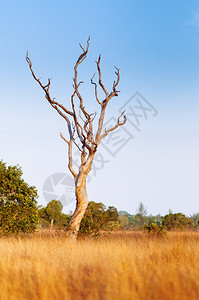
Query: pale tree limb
{"points": [[117, 72], [76, 85], [119, 123], [57, 105], [104, 104], [100, 76], [96, 96], [46, 90], [70, 156]]}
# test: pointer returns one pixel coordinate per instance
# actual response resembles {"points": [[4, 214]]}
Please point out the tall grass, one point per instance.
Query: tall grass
{"points": [[118, 266]]}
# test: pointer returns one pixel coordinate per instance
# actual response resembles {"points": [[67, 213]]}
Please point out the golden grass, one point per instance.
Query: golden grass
{"points": [[118, 266]]}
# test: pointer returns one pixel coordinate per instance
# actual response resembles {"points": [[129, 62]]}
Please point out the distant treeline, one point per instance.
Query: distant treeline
{"points": [[19, 212], [98, 218]]}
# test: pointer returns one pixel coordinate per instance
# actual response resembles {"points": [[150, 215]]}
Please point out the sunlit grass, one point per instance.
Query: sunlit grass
{"points": [[117, 266]]}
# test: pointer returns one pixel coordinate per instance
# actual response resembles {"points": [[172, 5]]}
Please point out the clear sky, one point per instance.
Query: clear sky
{"points": [[156, 46]]}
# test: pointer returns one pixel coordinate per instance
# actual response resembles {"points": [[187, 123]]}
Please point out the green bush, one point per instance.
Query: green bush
{"points": [[177, 222], [93, 219], [98, 218], [18, 206], [155, 229]]}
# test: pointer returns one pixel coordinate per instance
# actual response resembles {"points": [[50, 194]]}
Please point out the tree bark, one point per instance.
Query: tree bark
{"points": [[81, 206], [81, 198]]}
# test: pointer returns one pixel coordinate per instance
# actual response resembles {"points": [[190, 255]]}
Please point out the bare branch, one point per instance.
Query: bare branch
{"points": [[95, 89], [76, 85], [46, 88], [119, 123], [69, 156], [114, 93], [100, 76], [79, 128], [81, 47], [104, 103], [117, 72], [65, 140]]}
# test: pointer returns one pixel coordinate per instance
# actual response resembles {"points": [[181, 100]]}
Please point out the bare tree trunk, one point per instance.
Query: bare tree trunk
{"points": [[81, 197], [81, 206], [51, 222]]}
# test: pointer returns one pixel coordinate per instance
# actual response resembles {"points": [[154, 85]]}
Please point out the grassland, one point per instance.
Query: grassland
{"points": [[118, 266]]}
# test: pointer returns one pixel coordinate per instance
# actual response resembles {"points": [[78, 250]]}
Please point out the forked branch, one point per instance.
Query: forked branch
{"points": [[76, 85], [83, 125], [119, 123], [46, 88], [100, 76]]}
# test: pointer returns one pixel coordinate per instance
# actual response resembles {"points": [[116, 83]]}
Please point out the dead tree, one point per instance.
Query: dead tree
{"points": [[81, 131]]}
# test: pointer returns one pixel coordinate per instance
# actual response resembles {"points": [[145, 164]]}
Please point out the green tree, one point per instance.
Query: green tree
{"points": [[112, 214], [94, 218], [43, 217], [18, 205], [63, 221], [142, 211], [177, 221], [112, 221], [53, 210], [140, 218]]}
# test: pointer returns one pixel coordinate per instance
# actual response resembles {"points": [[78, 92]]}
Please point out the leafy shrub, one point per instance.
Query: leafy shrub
{"points": [[18, 206], [93, 219], [177, 222], [155, 229], [97, 218]]}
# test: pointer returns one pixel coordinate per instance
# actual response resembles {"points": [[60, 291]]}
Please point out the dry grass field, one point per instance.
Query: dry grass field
{"points": [[117, 266]]}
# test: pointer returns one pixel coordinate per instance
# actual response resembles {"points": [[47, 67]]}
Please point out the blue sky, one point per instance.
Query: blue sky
{"points": [[156, 46]]}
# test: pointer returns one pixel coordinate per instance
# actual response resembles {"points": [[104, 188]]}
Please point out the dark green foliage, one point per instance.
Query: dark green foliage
{"points": [[52, 215], [18, 206], [171, 221], [93, 219], [63, 220], [112, 213], [97, 218], [154, 219], [43, 217], [177, 222], [155, 229], [53, 210]]}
